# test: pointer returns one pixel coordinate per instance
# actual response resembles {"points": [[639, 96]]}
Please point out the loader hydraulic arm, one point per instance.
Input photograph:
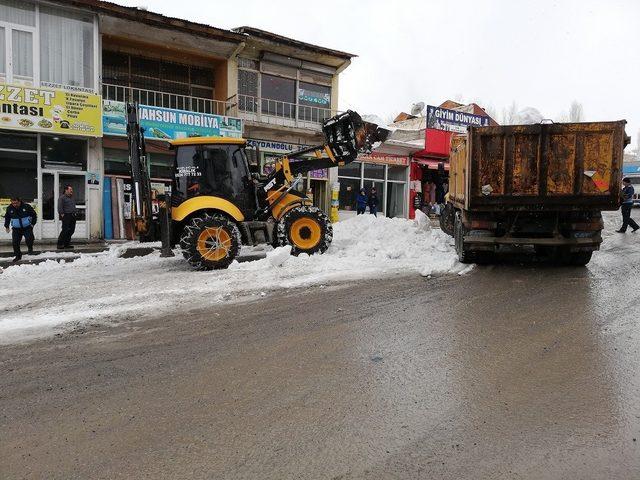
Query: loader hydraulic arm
{"points": [[346, 136], [141, 214]]}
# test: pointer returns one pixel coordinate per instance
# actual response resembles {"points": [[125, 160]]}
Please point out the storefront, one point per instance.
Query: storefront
{"points": [[387, 173], [315, 183], [46, 144], [160, 125]]}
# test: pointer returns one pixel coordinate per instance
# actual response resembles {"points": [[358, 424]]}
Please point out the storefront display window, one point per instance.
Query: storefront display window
{"points": [[349, 188], [116, 162], [372, 170], [19, 175], [63, 153], [388, 180], [161, 165], [18, 141]]}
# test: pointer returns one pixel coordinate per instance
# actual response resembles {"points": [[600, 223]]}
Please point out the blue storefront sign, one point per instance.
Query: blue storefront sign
{"points": [[169, 124], [453, 120]]}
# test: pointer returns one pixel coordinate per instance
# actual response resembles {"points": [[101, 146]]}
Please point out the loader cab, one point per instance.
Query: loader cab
{"points": [[213, 166]]}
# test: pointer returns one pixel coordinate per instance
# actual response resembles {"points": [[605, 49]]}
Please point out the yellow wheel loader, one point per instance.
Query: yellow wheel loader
{"points": [[219, 201]]}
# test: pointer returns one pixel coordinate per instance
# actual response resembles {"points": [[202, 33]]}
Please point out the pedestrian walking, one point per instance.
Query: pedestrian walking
{"points": [[21, 217], [627, 205], [67, 213], [373, 202], [361, 202]]}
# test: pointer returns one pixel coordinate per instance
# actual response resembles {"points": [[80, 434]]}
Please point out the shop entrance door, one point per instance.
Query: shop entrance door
{"points": [[53, 183]]}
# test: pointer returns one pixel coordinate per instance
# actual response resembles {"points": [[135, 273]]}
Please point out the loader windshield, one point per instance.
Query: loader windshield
{"points": [[219, 170]]}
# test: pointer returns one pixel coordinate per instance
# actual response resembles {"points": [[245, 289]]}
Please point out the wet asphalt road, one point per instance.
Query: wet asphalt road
{"points": [[511, 372]]}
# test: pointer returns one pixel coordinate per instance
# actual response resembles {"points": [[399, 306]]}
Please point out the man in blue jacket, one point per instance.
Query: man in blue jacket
{"points": [[22, 217], [627, 205]]}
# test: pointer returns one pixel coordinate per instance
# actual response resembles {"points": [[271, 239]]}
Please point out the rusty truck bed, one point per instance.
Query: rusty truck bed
{"points": [[561, 166]]}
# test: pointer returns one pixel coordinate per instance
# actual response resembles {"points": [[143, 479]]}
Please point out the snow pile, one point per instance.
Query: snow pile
{"points": [[528, 116], [36, 300]]}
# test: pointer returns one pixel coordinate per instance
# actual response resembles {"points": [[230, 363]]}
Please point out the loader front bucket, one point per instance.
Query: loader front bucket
{"points": [[348, 135]]}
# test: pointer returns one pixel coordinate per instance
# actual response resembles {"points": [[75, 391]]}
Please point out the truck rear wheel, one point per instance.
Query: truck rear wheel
{"points": [[580, 258], [307, 229], [464, 255], [210, 242]]}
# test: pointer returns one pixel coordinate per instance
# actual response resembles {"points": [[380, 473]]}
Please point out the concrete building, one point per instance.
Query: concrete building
{"points": [[76, 62]]}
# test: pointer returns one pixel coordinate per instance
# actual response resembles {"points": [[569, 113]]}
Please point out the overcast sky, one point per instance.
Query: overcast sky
{"points": [[542, 54]]}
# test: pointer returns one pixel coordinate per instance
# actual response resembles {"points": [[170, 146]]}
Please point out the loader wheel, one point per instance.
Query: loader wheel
{"points": [[306, 229], [210, 242]]}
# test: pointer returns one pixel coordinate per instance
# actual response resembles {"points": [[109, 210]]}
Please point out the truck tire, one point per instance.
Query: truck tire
{"points": [[307, 229], [210, 242], [447, 219], [580, 258], [464, 255]]}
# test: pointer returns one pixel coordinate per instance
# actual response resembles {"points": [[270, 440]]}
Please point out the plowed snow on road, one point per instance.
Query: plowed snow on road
{"points": [[40, 300]]}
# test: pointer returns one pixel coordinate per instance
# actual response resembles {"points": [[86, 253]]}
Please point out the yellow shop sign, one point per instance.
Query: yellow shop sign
{"points": [[50, 110]]}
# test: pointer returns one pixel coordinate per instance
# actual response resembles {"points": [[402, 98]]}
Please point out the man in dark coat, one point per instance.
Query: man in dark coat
{"points": [[627, 205], [21, 217], [67, 212], [373, 202]]}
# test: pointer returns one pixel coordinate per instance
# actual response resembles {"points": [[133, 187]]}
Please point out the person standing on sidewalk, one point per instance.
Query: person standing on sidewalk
{"points": [[67, 213], [373, 202], [22, 217], [361, 202], [627, 205]]}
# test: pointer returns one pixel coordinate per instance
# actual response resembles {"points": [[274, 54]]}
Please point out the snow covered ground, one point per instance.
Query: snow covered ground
{"points": [[37, 300]]}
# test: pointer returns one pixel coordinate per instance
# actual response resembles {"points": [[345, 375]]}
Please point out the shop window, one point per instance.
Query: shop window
{"points": [[19, 12], [372, 170], [3, 55], [18, 141], [350, 170], [63, 153], [66, 47], [278, 96], [161, 165], [116, 162], [395, 199], [397, 173], [19, 175], [349, 188]]}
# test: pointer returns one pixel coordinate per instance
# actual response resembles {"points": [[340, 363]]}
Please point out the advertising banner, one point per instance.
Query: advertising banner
{"points": [[50, 110], [169, 124], [453, 120]]}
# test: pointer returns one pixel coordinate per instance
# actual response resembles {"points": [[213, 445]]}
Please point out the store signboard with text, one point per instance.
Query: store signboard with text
{"points": [[453, 120], [384, 159], [50, 110], [168, 123], [274, 149]]}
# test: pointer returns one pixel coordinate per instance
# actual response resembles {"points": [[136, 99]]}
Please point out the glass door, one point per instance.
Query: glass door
{"points": [[53, 184]]}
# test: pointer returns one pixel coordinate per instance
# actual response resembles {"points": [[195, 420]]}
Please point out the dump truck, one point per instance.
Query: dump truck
{"points": [[538, 188], [219, 200]]}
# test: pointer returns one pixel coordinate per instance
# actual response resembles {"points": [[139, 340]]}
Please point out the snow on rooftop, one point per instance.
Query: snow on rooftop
{"points": [[39, 300]]}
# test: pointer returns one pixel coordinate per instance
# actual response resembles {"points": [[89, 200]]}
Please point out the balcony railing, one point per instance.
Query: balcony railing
{"points": [[275, 112], [249, 108], [167, 100]]}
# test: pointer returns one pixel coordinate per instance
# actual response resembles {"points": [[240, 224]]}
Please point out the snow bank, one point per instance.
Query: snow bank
{"points": [[37, 300]]}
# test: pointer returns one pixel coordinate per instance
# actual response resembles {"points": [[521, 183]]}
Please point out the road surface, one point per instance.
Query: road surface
{"points": [[510, 372]]}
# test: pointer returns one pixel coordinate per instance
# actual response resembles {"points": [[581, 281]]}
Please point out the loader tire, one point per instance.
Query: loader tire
{"points": [[307, 229], [210, 242]]}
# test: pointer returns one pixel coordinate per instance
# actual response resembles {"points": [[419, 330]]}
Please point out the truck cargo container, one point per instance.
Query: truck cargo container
{"points": [[542, 186]]}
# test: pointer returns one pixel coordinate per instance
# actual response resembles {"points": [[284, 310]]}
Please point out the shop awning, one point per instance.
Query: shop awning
{"points": [[432, 163]]}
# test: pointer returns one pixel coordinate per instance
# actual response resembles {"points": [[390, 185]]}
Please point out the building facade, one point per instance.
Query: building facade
{"points": [[68, 67]]}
